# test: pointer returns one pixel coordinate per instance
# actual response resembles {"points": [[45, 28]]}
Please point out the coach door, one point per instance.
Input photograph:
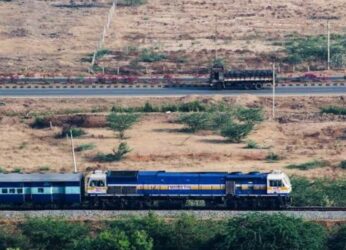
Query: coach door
{"points": [[230, 187]]}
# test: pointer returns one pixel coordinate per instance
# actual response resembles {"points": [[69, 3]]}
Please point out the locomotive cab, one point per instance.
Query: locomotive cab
{"points": [[278, 183], [96, 183]]}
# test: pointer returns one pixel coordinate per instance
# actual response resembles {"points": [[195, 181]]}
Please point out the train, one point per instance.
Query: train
{"points": [[145, 190]]}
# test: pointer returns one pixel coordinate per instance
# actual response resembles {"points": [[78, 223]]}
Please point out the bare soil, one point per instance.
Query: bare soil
{"points": [[53, 37], [298, 135]]}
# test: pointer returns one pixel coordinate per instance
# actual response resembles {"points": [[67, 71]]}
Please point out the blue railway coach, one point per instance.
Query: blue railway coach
{"points": [[40, 188]]}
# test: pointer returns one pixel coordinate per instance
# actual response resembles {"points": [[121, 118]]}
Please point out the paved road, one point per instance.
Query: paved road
{"points": [[167, 92]]}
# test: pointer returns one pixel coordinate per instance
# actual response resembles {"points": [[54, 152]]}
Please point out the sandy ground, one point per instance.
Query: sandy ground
{"points": [[39, 36], [299, 134]]}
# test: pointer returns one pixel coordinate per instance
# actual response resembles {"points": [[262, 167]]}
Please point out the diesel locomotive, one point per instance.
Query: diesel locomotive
{"points": [[146, 189]]}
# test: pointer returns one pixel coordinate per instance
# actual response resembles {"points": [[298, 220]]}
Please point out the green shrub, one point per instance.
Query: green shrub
{"points": [[67, 131], [84, 147], [272, 157], [134, 2], [308, 165], [220, 119], [121, 122], [195, 121], [52, 233], [169, 108], [119, 154], [337, 240], [39, 122], [277, 231], [149, 55], [17, 170], [44, 168], [319, 192], [149, 108], [235, 132], [194, 106], [249, 114], [251, 145], [334, 110], [343, 164], [313, 48], [2, 170]]}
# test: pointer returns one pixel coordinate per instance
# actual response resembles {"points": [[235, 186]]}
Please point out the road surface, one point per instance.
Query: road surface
{"points": [[131, 92]]}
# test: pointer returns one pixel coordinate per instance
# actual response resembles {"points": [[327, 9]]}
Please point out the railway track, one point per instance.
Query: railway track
{"points": [[329, 214]]}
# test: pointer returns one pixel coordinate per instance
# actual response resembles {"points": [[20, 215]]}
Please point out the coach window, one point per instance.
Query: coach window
{"points": [[97, 183], [4, 190], [12, 191], [275, 183], [40, 190], [19, 190]]}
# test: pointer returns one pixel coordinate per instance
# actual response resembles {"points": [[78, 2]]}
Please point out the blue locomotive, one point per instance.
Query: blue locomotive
{"points": [[147, 189]]}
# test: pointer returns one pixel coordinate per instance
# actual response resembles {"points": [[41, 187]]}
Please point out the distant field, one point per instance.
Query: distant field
{"points": [[160, 36]]}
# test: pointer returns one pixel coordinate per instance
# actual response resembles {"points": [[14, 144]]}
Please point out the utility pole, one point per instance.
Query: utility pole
{"points": [[73, 154], [328, 43], [100, 44], [273, 97]]}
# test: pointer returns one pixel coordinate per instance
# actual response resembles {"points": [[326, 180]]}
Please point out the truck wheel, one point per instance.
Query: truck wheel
{"points": [[257, 86]]}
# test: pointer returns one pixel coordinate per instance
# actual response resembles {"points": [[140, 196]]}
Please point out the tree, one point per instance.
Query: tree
{"points": [[262, 232], [121, 122], [235, 132]]}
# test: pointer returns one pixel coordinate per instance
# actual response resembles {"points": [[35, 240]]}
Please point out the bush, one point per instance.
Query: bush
{"points": [[337, 240], [249, 114], [84, 147], [320, 192], [149, 55], [17, 170], [116, 239], [121, 122], [251, 145], [39, 122], [194, 106], [343, 164], [236, 132], [134, 2], [334, 110], [195, 121], [10, 240], [308, 165], [277, 231], [149, 108], [52, 233], [219, 119], [67, 131], [185, 232], [119, 154], [2, 170], [272, 157], [44, 168]]}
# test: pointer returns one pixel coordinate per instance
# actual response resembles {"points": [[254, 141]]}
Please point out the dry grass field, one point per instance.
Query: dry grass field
{"points": [[300, 134], [51, 37]]}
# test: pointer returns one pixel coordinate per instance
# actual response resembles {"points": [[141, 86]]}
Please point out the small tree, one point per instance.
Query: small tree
{"points": [[236, 132], [196, 121], [121, 122], [123, 149]]}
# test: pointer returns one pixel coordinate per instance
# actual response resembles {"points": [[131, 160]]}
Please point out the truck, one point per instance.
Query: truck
{"points": [[221, 78]]}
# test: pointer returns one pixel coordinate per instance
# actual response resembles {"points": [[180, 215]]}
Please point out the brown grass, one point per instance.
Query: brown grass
{"points": [[157, 143]]}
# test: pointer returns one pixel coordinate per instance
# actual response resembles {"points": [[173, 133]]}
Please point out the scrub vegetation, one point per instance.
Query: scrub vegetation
{"points": [[259, 231]]}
